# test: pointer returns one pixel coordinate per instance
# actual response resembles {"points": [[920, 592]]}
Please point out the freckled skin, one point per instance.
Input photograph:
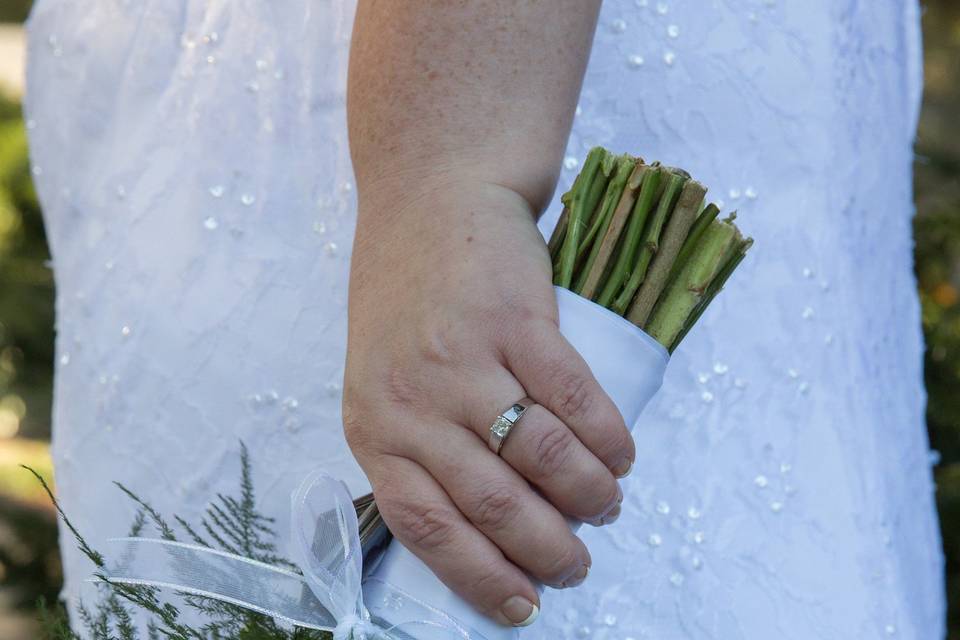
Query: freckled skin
{"points": [[434, 85], [458, 115]]}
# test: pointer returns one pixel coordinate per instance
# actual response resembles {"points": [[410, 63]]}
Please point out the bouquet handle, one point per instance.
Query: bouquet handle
{"points": [[628, 364]]}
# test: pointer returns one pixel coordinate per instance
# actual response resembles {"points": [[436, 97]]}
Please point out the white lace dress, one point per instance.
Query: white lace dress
{"points": [[192, 162]]}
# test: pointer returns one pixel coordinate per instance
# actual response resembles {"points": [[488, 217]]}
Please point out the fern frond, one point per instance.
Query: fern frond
{"points": [[123, 621], [95, 556], [54, 623], [166, 532], [139, 522], [196, 537], [233, 524]]}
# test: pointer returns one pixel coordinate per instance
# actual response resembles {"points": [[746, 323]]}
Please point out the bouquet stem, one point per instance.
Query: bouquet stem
{"points": [[682, 219], [650, 242], [601, 256], [586, 192], [601, 221], [693, 280], [632, 238]]}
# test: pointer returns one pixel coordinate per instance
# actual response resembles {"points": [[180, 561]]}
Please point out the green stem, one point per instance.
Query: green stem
{"points": [[716, 285], [625, 167], [650, 243], [708, 215], [556, 238], [576, 221], [670, 315], [603, 253], [648, 191], [604, 207], [672, 239], [560, 230]]}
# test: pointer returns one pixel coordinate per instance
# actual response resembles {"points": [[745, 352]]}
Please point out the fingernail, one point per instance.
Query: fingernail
{"points": [[578, 577], [520, 611], [622, 470], [611, 516]]}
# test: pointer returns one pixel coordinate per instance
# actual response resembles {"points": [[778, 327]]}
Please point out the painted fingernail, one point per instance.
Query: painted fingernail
{"points": [[578, 577], [520, 611], [611, 516], [622, 470]]}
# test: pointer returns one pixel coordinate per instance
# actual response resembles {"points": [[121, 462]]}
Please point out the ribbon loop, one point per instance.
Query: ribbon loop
{"points": [[326, 544], [328, 596]]}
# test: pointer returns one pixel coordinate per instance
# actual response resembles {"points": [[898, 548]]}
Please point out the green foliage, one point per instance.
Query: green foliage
{"points": [[14, 10], [26, 284], [937, 231], [234, 524]]}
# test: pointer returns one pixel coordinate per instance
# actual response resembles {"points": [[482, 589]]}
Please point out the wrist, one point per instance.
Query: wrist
{"points": [[443, 203], [396, 185]]}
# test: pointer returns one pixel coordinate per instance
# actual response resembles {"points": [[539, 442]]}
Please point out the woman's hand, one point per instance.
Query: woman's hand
{"points": [[452, 319], [458, 115]]}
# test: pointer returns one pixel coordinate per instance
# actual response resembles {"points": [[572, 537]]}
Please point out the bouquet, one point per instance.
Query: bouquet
{"points": [[637, 240], [637, 258]]}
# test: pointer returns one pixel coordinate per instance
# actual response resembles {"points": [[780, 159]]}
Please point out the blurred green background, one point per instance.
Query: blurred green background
{"points": [[29, 564]]}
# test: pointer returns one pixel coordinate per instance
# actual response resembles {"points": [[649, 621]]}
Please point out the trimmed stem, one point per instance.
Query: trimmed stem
{"points": [[556, 238], [708, 215], [683, 294], [560, 230], [605, 208], [651, 242], [674, 235], [716, 285], [597, 188], [625, 168], [624, 260], [577, 219], [593, 207], [601, 255]]}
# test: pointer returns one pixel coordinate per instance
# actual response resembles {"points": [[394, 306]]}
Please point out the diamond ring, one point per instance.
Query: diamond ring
{"points": [[505, 422]]}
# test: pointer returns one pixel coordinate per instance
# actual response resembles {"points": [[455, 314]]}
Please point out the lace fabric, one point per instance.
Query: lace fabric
{"points": [[193, 166]]}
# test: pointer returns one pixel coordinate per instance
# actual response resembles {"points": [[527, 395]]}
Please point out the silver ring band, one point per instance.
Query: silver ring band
{"points": [[505, 422]]}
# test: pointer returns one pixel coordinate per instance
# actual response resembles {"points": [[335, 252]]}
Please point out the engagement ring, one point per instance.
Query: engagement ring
{"points": [[505, 422]]}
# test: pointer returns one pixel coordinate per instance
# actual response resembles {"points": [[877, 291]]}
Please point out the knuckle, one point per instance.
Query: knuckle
{"points": [[400, 388], [357, 427], [495, 507], [573, 397], [561, 565], [604, 497], [424, 526], [613, 438], [437, 345], [516, 323], [553, 451]]}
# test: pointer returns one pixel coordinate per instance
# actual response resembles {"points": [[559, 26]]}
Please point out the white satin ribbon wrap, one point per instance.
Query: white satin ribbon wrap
{"points": [[628, 364], [328, 596]]}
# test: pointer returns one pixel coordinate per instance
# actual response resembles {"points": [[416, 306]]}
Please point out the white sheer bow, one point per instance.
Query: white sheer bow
{"points": [[329, 594]]}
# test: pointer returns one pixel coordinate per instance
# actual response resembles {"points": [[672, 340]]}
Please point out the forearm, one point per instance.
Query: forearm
{"points": [[482, 90]]}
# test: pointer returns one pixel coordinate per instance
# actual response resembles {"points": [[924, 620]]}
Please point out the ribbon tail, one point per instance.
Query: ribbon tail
{"points": [[222, 576]]}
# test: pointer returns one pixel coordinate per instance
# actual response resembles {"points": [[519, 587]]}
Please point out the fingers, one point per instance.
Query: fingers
{"points": [[550, 456], [502, 505], [423, 518], [546, 452], [555, 375]]}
